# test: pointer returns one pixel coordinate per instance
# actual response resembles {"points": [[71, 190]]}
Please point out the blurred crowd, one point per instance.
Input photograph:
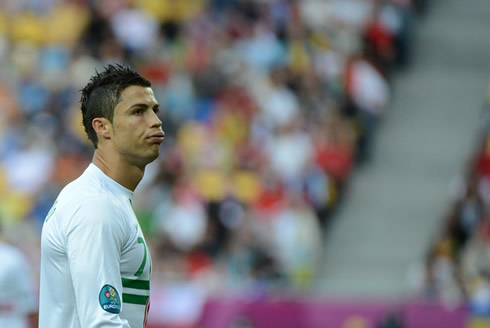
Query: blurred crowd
{"points": [[457, 268], [268, 107]]}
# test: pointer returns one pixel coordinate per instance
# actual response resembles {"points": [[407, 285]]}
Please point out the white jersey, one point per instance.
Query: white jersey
{"points": [[17, 298], [95, 265]]}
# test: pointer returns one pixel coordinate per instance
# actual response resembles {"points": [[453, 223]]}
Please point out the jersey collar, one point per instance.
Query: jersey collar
{"points": [[111, 184]]}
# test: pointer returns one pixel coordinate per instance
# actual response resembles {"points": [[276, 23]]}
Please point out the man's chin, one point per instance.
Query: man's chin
{"points": [[145, 160], [153, 156], [156, 154]]}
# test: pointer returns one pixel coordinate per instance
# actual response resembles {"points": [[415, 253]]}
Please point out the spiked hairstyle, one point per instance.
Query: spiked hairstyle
{"points": [[102, 94]]}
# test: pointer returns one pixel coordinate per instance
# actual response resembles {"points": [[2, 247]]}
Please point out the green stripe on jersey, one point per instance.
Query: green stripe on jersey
{"points": [[136, 284], [134, 299]]}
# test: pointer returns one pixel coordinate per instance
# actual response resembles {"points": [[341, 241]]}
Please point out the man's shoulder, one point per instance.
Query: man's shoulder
{"points": [[88, 211], [83, 194], [83, 185], [87, 200], [80, 191], [74, 199]]}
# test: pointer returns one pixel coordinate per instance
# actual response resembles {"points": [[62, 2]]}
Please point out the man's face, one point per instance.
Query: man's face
{"points": [[137, 130]]}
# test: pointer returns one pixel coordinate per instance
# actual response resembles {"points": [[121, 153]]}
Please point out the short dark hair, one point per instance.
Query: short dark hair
{"points": [[102, 94]]}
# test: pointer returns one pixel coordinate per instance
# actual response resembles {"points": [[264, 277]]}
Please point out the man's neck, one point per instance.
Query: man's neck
{"points": [[120, 171]]}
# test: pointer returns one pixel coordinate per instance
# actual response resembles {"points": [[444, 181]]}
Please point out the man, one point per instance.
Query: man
{"points": [[18, 308], [95, 265]]}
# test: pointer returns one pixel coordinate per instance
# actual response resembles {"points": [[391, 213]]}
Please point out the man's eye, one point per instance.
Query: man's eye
{"points": [[138, 112]]}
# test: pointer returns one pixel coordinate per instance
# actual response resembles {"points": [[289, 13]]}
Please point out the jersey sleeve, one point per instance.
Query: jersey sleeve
{"points": [[94, 242]]}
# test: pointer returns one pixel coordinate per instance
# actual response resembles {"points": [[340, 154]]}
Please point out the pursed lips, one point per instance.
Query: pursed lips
{"points": [[157, 136]]}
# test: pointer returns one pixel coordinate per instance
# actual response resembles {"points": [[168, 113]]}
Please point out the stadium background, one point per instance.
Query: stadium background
{"points": [[270, 108]]}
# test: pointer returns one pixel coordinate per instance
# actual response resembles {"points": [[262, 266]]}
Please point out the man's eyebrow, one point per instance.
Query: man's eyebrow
{"points": [[143, 105]]}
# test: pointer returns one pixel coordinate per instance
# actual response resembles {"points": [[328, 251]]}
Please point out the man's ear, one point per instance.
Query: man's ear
{"points": [[102, 127]]}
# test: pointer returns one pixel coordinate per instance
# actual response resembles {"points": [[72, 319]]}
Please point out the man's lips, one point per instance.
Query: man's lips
{"points": [[156, 137]]}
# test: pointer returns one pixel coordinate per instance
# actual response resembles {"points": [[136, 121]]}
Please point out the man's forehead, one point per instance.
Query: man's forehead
{"points": [[136, 93]]}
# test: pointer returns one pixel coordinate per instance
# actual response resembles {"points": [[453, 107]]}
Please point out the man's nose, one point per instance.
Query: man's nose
{"points": [[155, 120]]}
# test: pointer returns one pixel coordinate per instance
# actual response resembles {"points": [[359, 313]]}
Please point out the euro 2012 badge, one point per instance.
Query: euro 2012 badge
{"points": [[109, 299]]}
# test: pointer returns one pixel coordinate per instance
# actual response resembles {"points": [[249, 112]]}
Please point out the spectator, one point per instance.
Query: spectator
{"points": [[18, 306]]}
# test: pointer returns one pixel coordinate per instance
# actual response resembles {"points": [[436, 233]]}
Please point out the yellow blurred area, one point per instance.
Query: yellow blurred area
{"points": [[27, 26], [479, 323], [232, 128], [320, 40], [171, 10], [3, 183], [302, 277], [247, 186], [332, 193], [355, 322], [63, 25], [62, 17], [15, 206], [191, 138], [299, 60], [211, 184]]}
